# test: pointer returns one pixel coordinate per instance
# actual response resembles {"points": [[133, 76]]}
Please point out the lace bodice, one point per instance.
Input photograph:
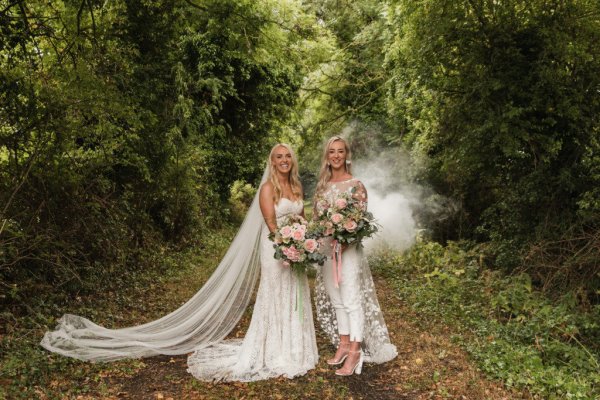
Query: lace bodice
{"points": [[335, 189], [347, 185], [287, 207]]}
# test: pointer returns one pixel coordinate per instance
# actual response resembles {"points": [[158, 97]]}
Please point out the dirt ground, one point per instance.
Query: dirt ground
{"points": [[429, 366]]}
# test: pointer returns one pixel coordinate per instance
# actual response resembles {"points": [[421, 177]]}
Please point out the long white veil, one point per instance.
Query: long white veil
{"points": [[205, 319]]}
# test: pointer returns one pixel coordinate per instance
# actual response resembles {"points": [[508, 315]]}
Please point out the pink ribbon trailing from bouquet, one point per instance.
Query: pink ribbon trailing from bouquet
{"points": [[337, 262]]}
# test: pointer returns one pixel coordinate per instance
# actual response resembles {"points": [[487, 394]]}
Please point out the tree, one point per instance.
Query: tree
{"points": [[123, 124]]}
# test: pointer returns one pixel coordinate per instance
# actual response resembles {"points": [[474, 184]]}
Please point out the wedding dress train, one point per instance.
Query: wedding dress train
{"points": [[281, 338]]}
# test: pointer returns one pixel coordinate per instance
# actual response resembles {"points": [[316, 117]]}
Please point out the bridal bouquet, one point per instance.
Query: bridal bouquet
{"points": [[297, 244], [346, 219]]}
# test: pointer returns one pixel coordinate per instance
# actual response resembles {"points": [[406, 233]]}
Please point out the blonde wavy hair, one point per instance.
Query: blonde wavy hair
{"points": [[294, 178], [325, 172]]}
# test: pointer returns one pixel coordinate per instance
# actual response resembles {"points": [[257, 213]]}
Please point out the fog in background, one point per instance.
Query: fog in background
{"points": [[403, 204], [393, 204]]}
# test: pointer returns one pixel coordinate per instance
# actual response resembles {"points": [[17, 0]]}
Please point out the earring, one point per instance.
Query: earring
{"points": [[348, 162], [328, 164]]}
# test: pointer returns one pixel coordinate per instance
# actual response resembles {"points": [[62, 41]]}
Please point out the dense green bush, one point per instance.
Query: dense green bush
{"points": [[503, 99], [242, 194], [124, 124], [513, 331]]}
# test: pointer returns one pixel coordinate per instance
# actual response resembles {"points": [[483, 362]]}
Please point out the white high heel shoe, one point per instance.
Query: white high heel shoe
{"points": [[357, 367], [334, 361]]}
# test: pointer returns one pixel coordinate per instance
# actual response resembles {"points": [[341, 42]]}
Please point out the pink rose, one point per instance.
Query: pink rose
{"points": [[311, 245], [328, 225], [298, 235], [328, 231], [341, 203], [286, 232], [350, 225], [301, 228], [291, 253], [337, 218]]}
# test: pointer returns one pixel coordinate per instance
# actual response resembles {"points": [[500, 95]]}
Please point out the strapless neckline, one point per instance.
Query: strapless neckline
{"points": [[291, 201]]}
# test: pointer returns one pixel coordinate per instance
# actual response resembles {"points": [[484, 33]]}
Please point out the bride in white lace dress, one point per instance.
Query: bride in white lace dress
{"points": [[280, 340]]}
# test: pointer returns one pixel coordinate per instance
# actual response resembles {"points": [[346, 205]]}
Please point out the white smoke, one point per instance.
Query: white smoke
{"points": [[401, 205], [393, 200], [397, 226]]}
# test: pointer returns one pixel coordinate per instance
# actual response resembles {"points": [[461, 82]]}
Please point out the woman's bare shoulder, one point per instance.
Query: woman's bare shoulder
{"points": [[266, 187]]}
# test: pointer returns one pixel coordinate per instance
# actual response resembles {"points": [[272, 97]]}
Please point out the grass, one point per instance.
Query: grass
{"points": [[512, 331]]}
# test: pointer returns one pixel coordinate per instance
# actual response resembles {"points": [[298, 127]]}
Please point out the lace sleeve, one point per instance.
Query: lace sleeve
{"points": [[360, 192], [315, 211], [319, 205]]}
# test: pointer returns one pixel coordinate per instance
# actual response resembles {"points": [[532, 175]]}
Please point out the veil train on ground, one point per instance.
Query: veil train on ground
{"points": [[206, 318]]}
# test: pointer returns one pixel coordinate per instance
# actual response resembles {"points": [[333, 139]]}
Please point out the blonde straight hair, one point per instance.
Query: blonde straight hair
{"points": [[325, 172], [294, 178]]}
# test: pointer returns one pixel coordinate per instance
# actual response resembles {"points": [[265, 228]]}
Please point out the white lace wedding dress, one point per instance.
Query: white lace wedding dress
{"points": [[376, 343], [280, 340]]}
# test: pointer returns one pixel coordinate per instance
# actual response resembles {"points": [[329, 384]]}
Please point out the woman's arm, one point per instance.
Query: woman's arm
{"points": [[302, 199], [267, 206], [360, 192], [315, 200]]}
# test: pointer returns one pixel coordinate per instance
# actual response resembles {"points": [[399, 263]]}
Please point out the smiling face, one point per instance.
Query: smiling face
{"points": [[336, 155], [282, 160]]}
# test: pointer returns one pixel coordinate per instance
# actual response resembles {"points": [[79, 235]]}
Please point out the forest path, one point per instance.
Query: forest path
{"points": [[429, 366]]}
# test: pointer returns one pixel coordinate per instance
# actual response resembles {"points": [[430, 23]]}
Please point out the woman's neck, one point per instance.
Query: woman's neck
{"points": [[339, 175], [283, 179]]}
